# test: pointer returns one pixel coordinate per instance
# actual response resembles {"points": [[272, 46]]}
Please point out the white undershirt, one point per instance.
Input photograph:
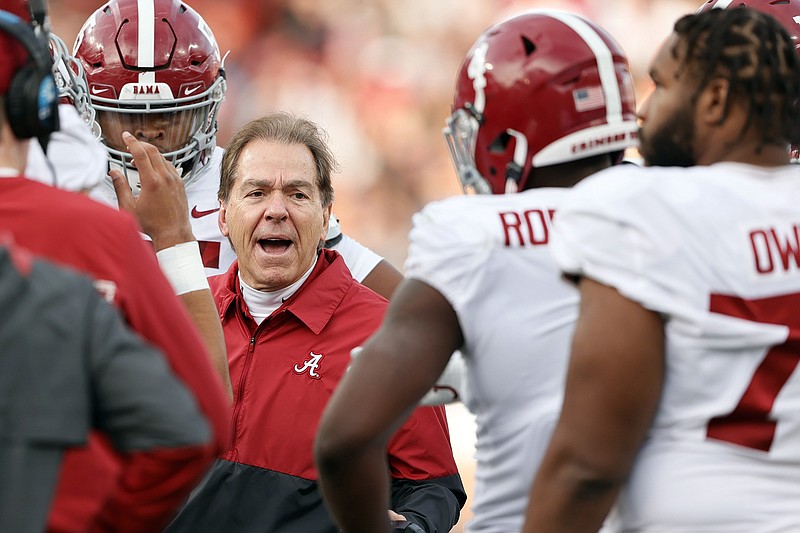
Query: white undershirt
{"points": [[261, 304], [8, 172]]}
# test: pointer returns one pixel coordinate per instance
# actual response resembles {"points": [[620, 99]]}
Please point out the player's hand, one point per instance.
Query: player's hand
{"points": [[399, 523], [161, 207]]}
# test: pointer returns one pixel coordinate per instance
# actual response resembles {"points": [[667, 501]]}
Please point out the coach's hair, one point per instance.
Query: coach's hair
{"points": [[282, 128], [756, 55]]}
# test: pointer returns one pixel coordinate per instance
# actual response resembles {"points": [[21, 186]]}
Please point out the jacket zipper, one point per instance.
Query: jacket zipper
{"points": [[237, 410]]}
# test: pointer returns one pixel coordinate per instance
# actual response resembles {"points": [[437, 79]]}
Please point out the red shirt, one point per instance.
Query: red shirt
{"points": [[96, 485]]}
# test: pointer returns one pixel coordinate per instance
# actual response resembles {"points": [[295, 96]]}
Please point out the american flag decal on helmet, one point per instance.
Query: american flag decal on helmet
{"points": [[588, 98]]}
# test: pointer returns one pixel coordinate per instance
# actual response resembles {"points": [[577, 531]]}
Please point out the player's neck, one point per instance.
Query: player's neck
{"points": [[13, 152], [749, 153], [568, 174]]}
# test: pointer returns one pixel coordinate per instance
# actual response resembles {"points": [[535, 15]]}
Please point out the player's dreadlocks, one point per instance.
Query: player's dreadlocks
{"points": [[740, 46]]}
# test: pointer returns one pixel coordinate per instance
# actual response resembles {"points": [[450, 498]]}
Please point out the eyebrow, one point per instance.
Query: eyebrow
{"points": [[267, 184]]}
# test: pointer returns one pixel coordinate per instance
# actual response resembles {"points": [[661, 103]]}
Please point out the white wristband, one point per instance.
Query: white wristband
{"points": [[183, 267]]}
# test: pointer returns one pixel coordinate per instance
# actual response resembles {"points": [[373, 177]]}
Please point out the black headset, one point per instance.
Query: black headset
{"points": [[32, 99]]}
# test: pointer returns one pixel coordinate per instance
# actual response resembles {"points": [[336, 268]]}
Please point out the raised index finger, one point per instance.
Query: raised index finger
{"points": [[145, 157]]}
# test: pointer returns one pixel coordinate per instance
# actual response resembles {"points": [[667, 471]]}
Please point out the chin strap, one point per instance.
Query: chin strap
{"points": [[513, 177], [514, 168], [330, 243]]}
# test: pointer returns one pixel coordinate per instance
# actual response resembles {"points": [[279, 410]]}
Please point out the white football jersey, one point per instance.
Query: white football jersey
{"points": [[488, 256], [201, 194], [358, 258], [75, 155], [716, 251]]}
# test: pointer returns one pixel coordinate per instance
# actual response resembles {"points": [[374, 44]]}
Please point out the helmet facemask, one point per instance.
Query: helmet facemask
{"points": [[184, 130], [461, 135], [71, 82]]}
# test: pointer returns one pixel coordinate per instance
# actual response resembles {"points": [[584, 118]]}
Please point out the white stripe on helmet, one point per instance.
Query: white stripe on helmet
{"points": [[618, 133], [605, 62], [147, 33], [147, 40]]}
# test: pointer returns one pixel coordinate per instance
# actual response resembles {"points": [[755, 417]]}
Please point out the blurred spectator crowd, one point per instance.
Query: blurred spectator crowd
{"points": [[378, 75]]}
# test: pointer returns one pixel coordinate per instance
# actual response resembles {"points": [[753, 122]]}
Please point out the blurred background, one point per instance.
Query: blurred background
{"points": [[379, 75]]}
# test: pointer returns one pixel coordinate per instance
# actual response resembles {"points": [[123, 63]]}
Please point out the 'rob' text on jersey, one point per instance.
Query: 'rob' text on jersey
{"points": [[530, 227]]}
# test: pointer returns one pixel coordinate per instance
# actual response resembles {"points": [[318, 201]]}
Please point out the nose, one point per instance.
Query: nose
{"points": [[275, 207], [150, 133], [641, 114]]}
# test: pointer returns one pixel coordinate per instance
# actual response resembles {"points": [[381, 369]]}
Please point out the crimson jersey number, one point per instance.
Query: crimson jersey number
{"points": [[749, 424]]}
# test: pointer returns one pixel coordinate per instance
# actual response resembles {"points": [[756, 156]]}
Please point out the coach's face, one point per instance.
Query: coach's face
{"points": [[274, 217], [667, 133]]}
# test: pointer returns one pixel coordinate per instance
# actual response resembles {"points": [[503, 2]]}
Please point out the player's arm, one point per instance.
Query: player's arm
{"points": [[369, 268], [614, 382], [163, 213], [383, 279], [397, 366], [203, 310]]}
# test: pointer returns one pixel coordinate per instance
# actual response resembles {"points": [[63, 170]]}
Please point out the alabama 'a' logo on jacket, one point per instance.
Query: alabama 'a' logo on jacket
{"points": [[311, 365]]}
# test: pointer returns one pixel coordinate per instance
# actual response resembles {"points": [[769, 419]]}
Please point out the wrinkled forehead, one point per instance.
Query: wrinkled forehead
{"points": [[276, 165], [273, 160]]}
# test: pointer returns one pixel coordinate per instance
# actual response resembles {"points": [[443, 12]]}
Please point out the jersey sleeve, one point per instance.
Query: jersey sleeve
{"points": [[604, 232], [447, 252], [358, 258], [82, 161]]}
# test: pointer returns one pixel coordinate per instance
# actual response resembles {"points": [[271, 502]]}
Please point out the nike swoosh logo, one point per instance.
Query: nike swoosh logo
{"points": [[99, 90], [193, 90], [200, 214]]}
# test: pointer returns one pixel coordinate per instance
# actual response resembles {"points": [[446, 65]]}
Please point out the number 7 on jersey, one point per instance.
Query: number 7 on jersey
{"points": [[749, 424]]}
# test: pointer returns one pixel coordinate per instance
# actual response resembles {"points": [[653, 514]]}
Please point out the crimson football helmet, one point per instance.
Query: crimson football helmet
{"points": [[787, 12], [542, 88], [153, 69]]}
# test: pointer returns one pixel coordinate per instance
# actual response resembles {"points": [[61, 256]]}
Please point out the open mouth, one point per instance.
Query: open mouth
{"points": [[275, 246]]}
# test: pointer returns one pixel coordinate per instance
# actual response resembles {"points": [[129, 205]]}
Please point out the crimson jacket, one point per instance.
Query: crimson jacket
{"points": [[98, 488], [283, 372]]}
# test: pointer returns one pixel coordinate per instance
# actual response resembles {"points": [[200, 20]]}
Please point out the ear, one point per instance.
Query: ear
{"points": [[712, 102], [222, 219], [326, 218]]}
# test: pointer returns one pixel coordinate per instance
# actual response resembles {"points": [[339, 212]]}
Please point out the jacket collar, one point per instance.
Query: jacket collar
{"points": [[313, 303]]}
